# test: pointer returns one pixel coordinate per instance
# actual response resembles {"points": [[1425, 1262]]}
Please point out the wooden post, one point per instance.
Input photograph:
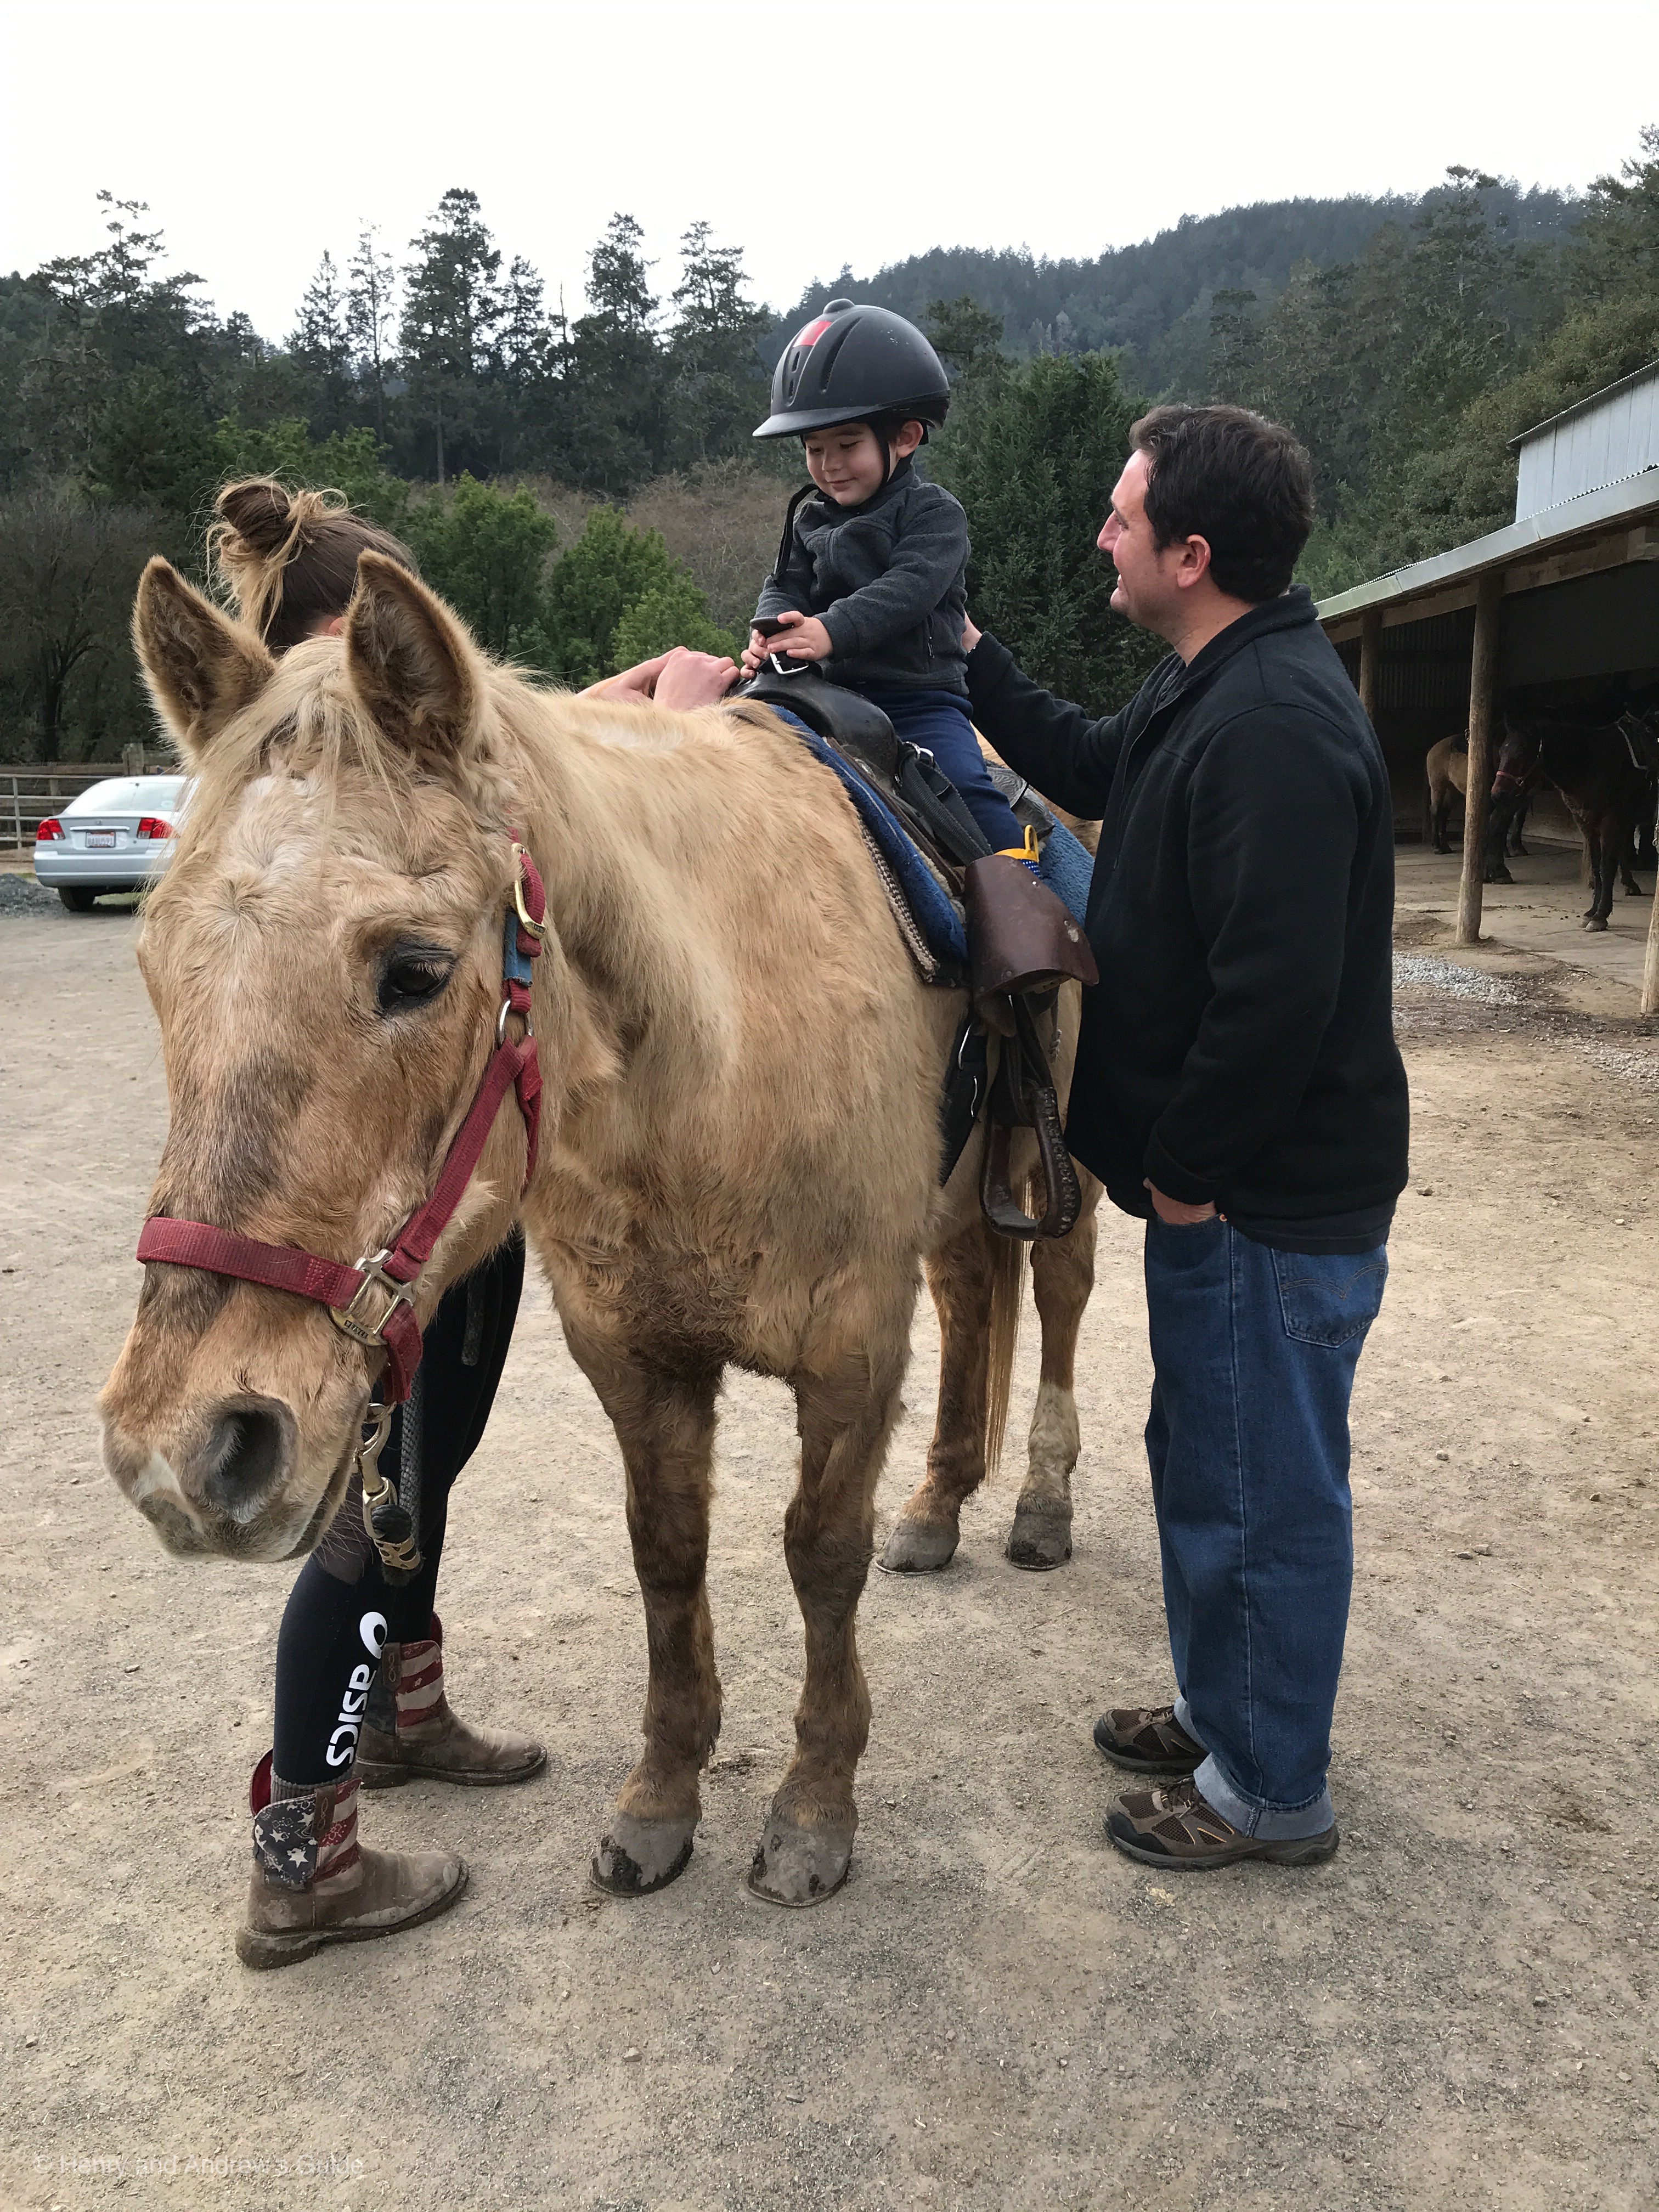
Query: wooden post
{"points": [[1650, 966], [1370, 659], [1483, 700]]}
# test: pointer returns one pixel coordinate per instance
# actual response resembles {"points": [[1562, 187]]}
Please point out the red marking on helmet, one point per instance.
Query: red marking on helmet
{"points": [[813, 331]]}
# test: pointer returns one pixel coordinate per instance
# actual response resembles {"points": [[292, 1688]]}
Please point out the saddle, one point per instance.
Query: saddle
{"points": [[1022, 945]]}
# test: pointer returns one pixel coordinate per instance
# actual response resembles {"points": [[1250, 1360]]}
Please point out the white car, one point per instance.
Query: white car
{"points": [[116, 836]]}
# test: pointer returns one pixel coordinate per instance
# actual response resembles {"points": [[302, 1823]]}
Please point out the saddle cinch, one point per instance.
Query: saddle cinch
{"points": [[1022, 945]]}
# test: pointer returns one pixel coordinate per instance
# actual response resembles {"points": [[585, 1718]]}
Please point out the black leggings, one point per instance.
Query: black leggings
{"points": [[342, 1608]]}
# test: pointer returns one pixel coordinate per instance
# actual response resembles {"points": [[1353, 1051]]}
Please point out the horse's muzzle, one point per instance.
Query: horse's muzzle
{"points": [[231, 1496]]}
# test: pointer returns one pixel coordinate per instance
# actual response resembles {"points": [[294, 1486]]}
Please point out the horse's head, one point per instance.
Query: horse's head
{"points": [[1520, 754], [324, 955]]}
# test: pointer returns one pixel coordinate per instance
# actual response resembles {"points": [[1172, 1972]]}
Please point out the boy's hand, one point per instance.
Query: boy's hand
{"points": [[802, 637]]}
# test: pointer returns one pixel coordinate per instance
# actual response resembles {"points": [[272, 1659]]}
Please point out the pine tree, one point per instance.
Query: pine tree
{"points": [[612, 370], [451, 311], [370, 319], [1034, 462], [320, 345], [715, 367]]}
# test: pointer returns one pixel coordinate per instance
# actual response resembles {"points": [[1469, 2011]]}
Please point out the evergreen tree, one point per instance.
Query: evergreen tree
{"points": [[451, 311], [370, 320], [527, 362], [967, 339], [486, 551], [617, 596], [321, 344], [612, 370], [1033, 461], [715, 379]]}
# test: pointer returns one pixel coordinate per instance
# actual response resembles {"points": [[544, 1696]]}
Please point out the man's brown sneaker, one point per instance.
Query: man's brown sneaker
{"points": [[1146, 1741], [1177, 1829]]}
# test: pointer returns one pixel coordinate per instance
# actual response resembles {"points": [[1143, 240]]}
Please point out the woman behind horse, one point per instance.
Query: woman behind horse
{"points": [[360, 1697]]}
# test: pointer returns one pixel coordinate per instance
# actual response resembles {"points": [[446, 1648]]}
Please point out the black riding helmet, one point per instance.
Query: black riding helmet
{"points": [[852, 362]]}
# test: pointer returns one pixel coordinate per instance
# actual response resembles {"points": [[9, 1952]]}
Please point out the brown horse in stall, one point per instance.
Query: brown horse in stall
{"points": [[738, 1150], [1446, 767], [1597, 768]]}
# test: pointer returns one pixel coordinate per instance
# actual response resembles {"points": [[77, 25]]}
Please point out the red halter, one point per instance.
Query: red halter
{"points": [[349, 1293]]}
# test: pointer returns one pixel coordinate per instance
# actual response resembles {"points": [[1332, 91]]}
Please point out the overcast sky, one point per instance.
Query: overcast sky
{"points": [[260, 134]]}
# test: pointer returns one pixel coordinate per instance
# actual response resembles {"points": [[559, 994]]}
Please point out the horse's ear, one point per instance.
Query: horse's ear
{"points": [[410, 662], [201, 667]]}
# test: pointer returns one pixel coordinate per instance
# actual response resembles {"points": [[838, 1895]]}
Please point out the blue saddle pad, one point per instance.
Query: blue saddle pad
{"points": [[1065, 865]]}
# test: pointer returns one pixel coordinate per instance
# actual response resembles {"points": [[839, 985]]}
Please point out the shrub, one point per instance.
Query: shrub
{"points": [[486, 552], [615, 586]]}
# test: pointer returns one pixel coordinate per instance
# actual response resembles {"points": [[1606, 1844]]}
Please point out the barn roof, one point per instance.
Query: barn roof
{"points": [[1599, 528]]}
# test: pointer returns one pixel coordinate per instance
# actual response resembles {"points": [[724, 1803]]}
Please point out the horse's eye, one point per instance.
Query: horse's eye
{"points": [[413, 975]]}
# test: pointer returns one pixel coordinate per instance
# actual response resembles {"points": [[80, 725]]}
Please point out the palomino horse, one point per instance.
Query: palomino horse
{"points": [[739, 1134]]}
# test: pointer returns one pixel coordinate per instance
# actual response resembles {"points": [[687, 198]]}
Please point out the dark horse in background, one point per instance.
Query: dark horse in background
{"points": [[1605, 773], [1446, 769]]}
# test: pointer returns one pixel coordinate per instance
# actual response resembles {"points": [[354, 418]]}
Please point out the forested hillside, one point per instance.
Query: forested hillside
{"points": [[585, 489], [1153, 300]]}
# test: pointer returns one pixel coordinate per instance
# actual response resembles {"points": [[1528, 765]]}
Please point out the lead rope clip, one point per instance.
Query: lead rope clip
{"points": [[386, 1523]]}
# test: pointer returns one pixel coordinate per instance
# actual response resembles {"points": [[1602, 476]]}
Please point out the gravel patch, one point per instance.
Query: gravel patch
{"points": [[1421, 969], [22, 895]]}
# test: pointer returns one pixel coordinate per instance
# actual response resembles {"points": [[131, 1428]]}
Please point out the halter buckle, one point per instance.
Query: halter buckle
{"points": [[353, 1321], [537, 929]]}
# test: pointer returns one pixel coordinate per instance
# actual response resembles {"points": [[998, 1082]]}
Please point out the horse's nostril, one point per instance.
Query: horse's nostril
{"points": [[244, 1461]]}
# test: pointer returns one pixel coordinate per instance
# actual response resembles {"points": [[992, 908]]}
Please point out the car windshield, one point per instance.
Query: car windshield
{"points": [[133, 795]]}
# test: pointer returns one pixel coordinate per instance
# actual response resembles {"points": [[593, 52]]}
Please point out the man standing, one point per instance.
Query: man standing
{"points": [[1237, 1084]]}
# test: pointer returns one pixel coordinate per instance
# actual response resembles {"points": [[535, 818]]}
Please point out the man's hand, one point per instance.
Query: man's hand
{"points": [[636, 684], [679, 678], [695, 679], [1174, 1214], [802, 637]]}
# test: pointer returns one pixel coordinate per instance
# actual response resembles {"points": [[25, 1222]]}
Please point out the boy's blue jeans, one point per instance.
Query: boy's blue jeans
{"points": [[1253, 1354], [940, 722]]}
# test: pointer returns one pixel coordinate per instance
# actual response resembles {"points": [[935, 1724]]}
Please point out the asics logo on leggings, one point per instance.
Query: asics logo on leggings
{"points": [[343, 1744]]}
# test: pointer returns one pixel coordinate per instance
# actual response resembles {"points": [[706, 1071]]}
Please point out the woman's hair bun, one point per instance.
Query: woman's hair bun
{"points": [[288, 559], [259, 511]]}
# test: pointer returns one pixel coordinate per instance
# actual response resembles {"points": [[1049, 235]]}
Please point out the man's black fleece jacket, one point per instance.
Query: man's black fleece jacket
{"points": [[1239, 1045]]}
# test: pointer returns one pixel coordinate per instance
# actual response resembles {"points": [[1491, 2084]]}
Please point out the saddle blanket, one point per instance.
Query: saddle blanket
{"points": [[936, 922]]}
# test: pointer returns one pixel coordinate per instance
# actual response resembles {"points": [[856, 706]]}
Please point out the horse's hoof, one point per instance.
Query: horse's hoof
{"points": [[1596, 922], [638, 1856], [799, 1866], [1040, 1538], [918, 1547]]}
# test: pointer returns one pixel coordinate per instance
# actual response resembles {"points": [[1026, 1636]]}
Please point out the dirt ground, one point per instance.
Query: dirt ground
{"points": [[998, 2011]]}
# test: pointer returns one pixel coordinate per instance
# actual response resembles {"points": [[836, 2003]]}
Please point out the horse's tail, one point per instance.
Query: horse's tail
{"points": [[1008, 1298]]}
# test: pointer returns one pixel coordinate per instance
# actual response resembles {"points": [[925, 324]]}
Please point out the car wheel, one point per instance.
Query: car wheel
{"points": [[76, 897]]}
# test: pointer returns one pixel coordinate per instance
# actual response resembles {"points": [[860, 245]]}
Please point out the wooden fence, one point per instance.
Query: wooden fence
{"points": [[28, 795]]}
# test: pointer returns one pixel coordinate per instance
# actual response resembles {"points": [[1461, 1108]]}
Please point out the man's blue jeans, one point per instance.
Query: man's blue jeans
{"points": [[1253, 1354]]}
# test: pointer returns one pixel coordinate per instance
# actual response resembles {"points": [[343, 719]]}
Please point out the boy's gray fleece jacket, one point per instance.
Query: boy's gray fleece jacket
{"points": [[887, 581]]}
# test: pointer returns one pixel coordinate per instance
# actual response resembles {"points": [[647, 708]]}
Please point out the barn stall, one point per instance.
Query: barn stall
{"points": [[1563, 604]]}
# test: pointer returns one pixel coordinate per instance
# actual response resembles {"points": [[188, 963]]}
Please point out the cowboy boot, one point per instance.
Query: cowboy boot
{"points": [[410, 1728], [314, 1884]]}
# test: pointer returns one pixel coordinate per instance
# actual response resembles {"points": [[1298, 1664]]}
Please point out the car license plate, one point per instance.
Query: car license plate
{"points": [[99, 840]]}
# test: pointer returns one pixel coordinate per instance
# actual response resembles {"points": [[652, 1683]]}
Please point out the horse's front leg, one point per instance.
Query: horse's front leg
{"points": [[845, 1418], [1062, 1276], [1604, 866], [664, 1422]]}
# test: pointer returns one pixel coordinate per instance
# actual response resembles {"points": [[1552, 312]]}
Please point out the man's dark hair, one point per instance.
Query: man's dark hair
{"points": [[1241, 484]]}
